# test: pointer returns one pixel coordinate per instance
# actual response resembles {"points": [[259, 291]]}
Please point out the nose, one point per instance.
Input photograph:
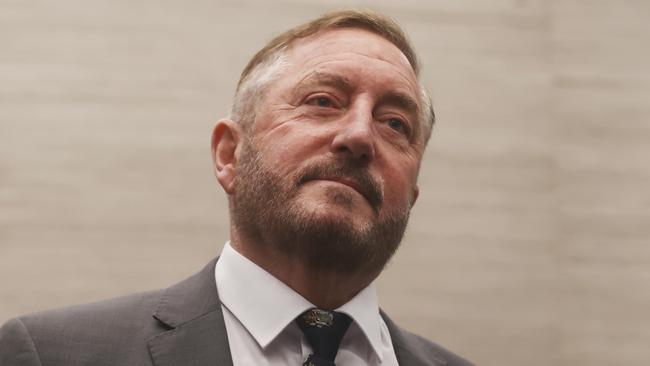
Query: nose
{"points": [[355, 136]]}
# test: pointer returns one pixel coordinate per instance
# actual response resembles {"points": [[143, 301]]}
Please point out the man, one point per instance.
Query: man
{"points": [[319, 159]]}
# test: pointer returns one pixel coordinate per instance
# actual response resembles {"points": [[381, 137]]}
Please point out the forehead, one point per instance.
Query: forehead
{"points": [[355, 45]]}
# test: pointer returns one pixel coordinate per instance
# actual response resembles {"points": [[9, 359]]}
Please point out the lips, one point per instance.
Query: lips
{"points": [[350, 183]]}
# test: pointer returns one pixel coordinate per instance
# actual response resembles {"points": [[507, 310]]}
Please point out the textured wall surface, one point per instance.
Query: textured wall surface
{"points": [[529, 245]]}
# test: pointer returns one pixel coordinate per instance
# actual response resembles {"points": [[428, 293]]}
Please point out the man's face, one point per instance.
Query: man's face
{"points": [[328, 170]]}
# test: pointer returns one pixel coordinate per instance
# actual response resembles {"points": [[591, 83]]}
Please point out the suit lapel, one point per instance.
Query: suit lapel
{"points": [[196, 332], [406, 347]]}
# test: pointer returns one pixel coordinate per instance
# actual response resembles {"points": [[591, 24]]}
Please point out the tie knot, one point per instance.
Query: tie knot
{"points": [[324, 331], [318, 318]]}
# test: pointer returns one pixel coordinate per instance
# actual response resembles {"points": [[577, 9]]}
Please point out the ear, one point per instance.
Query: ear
{"points": [[225, 138], [416, 193]]}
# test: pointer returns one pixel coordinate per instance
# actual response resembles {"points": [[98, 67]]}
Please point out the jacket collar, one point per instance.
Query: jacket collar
{"points": [[196, 332]]}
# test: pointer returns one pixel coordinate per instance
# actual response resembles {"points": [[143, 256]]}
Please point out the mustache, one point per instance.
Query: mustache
{"points": [[332, 170]]}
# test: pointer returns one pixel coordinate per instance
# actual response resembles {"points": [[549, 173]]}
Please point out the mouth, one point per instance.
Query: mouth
{"points": [[349, 183], [358, 180]]}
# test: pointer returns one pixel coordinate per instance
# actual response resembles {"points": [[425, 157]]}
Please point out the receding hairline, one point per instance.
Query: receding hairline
{"points": [[368, 20]]}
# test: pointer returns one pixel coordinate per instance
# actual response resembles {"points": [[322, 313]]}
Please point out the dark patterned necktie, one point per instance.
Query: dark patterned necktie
{"points": [[324, 331]]}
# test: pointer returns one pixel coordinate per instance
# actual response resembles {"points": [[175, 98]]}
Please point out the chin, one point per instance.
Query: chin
{"points": [[337, 202], [335, 213]]}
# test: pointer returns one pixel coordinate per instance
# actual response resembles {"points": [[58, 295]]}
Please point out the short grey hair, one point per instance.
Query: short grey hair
{"points": [[253, 88]]}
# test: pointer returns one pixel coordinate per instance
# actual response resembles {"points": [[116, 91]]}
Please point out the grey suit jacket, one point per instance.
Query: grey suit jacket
{"points": [[181, 326]]}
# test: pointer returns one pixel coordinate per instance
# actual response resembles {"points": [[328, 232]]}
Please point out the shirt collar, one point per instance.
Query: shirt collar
{"points": [[274, 305], [364, 310]]}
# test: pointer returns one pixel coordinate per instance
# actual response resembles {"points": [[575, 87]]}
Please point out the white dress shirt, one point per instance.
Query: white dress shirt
{"points": [[259, 312]]}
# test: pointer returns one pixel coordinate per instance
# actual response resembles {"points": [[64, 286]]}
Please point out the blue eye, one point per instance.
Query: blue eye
{"points": [[397, 125], [323, 102]]}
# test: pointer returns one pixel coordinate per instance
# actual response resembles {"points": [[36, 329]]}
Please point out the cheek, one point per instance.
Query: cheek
{"points": [[400, 185], [285, 158], [281, 160], [288, 146], [398, 192]]}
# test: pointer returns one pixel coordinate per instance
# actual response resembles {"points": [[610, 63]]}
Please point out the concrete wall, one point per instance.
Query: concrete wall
{"points": [[530, 243]]}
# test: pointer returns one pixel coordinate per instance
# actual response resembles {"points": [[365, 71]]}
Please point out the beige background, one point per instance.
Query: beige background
{"points": [[529, 244]]}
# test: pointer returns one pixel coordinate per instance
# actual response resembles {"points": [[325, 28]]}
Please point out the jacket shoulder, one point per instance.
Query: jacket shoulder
{"points": [[412, 349], [126, 313], [430, 350], [83, 334]]}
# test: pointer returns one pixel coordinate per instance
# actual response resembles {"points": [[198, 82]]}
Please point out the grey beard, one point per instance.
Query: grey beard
{"points": [[264, 209]]}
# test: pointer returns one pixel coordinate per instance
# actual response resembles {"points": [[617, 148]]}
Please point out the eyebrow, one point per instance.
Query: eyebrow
{"points": [[400, 100], [324, 78]]}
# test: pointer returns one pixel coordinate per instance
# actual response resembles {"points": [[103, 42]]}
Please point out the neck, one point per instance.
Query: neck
{"points": [[324, 288]]}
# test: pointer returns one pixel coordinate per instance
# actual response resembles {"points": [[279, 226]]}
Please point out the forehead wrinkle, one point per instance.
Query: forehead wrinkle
{"points": [[404, 71], [396, 66], [371, 49], [320, 74]]}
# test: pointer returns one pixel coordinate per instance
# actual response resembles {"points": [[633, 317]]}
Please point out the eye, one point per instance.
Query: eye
{"points": [[321, 101], [398, 125]]}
